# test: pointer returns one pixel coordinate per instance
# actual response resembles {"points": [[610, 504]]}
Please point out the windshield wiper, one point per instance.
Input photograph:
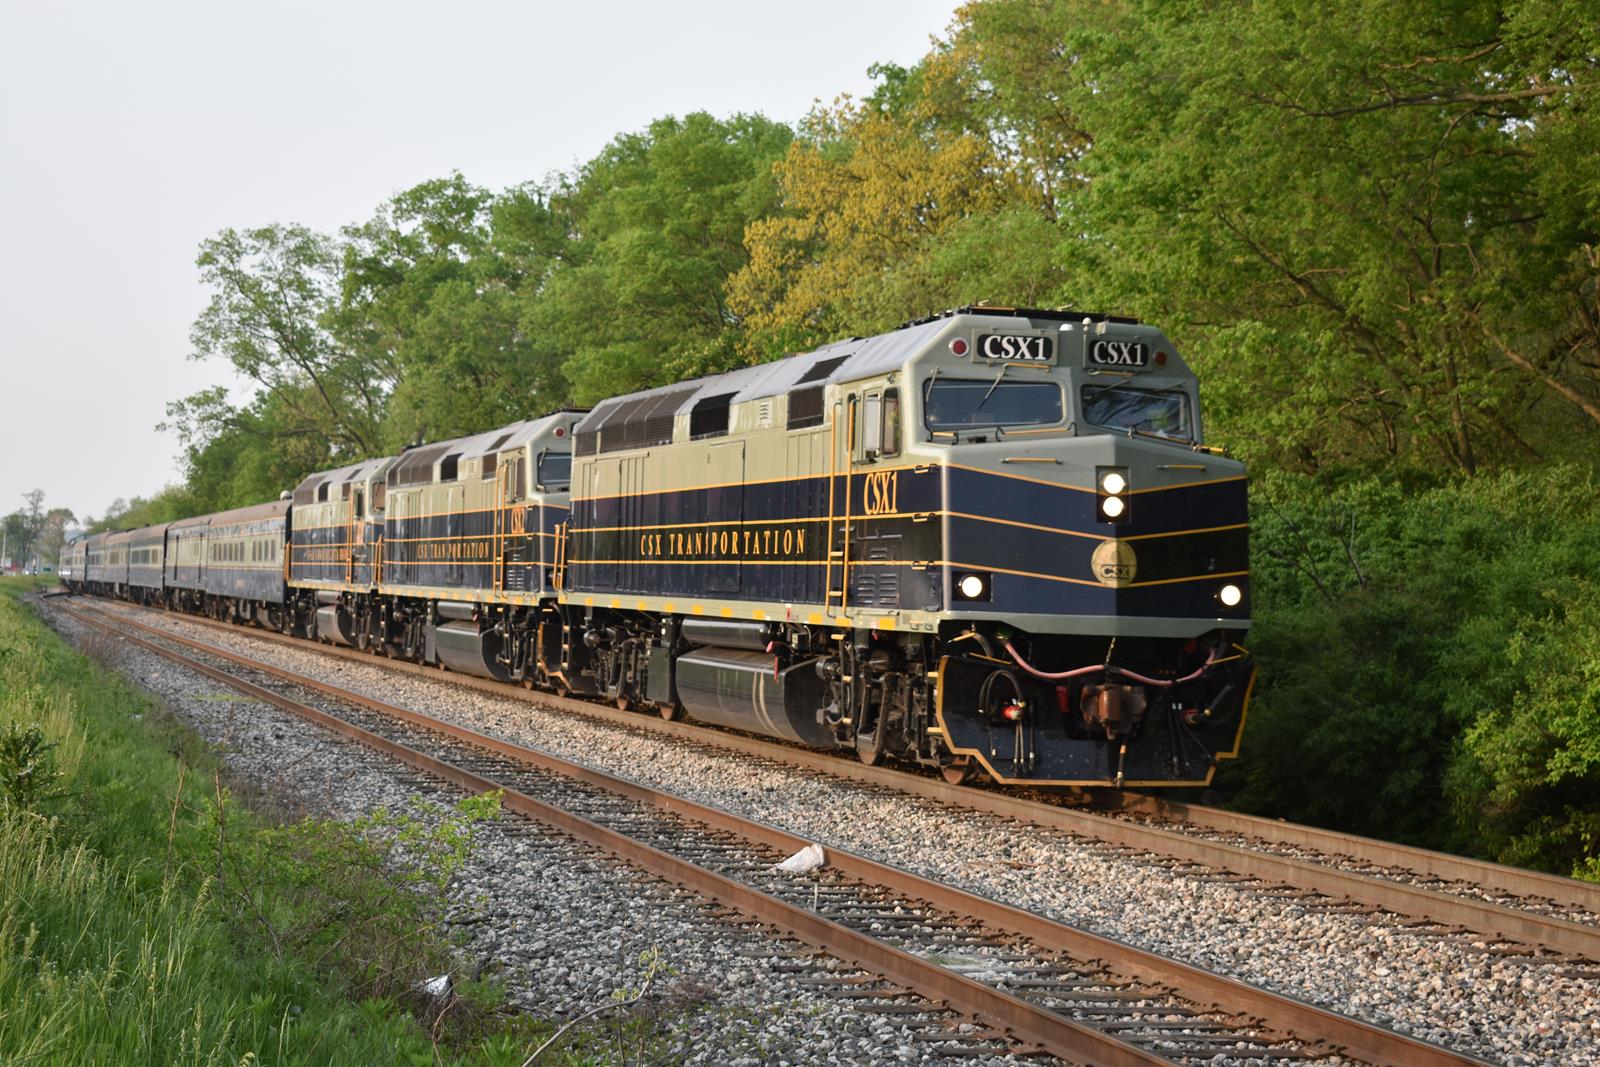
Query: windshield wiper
{"points": [[1161, 436], [994, 385]]}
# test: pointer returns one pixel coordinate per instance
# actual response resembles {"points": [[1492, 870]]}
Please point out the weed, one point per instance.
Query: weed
{"points": [[28, 770]]}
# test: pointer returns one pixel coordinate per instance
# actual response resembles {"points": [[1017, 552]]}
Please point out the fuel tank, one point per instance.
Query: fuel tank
{"points": [[334, 625], [739, 688], [462, 647]]}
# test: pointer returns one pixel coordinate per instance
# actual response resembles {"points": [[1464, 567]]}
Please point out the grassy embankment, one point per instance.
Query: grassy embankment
{"points": [[147, 918]]}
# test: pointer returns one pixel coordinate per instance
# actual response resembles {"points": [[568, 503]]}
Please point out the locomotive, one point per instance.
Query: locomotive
{"points": [[991, 542]]}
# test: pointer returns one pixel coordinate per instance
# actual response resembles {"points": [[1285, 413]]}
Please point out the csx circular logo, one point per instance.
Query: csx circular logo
{"points": [[1114, 563]]}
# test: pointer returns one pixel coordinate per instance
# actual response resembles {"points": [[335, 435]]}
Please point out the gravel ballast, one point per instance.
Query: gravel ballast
{"points": [[562, 925], [1508, 1009]]}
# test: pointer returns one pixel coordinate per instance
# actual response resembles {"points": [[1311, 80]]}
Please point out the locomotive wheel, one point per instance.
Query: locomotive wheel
{"points": [[869, 750], [958, 771], [870, 745], [671, 712], [623, 703]]}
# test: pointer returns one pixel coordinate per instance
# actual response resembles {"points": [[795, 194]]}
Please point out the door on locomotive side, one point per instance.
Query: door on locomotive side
{"points": [[872, 537]]}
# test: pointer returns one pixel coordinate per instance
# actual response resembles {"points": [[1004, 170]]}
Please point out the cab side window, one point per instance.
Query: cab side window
{"points": [[871, 426], [891, 422]]}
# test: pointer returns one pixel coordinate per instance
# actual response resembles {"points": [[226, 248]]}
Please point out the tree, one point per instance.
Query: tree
{"points": [[656, 224], [238, 456], [868, 190], [273, 290], [14, 535], [1371, 223], [32, 534], [53, 534], [23, 527], [169, 505], [429, 292]]}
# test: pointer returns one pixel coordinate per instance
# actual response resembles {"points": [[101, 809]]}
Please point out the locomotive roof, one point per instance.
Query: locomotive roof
{"points": [[306, 491], [498, 439], [856, 357], [846, 360], [415, 465]]}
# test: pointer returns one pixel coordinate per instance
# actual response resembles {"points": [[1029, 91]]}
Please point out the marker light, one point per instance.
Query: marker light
{"points": [[1112, 506], [1231, 595], [958, 347], [972, 587], [1113, 483]]}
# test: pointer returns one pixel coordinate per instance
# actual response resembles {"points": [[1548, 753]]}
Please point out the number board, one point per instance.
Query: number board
{"points": [[1106, 353], [1017, 348]]}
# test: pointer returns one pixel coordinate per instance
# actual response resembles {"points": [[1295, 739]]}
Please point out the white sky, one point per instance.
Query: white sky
{"points": [[129, 132]]}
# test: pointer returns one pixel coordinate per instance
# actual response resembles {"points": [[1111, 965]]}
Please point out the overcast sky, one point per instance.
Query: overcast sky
{"points": [[130, 132]]}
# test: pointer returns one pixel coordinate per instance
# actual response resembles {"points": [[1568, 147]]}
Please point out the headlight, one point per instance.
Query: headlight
{"points": [[971, 585], [1111, 489], [1231, 595]]}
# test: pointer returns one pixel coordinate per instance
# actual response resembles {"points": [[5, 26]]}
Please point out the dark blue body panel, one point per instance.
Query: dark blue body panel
{"points": [[769, 541]]}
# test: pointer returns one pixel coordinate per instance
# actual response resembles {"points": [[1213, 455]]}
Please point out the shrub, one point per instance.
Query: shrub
{"points": [[1427, 653]]}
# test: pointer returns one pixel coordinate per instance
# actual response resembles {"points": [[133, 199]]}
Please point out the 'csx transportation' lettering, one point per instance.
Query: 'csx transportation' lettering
{"points": [[724, 543]]}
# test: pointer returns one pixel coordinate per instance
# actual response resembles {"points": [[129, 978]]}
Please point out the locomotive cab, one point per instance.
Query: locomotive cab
{"points": [[1088, 575]]}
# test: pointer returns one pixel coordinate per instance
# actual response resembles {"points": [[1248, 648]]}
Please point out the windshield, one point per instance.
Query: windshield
{"points": [[958, 403], [1118, 407], [555, 471]]}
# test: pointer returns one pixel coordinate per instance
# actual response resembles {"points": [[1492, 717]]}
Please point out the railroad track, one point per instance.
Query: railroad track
{"points": [[1487, 907], [923, 946]]}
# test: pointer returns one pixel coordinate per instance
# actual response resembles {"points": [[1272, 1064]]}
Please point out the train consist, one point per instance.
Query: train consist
{"points": [[990, 541]]}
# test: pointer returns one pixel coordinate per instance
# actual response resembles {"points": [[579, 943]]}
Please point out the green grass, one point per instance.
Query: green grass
{"points": [[117, 944]]}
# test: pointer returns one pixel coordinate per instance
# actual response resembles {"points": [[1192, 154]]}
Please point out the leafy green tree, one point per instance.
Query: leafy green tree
{"points": [[24, 530], [272, 290], [234, 457], [429, 293], [1530, 768], [657, 223], [869, 191], [172, 503], [1426, 645], [1371, 222], [53, 534]]}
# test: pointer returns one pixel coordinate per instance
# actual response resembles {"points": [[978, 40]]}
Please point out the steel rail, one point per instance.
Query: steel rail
{"points": [[1227, 996], [1515, 881], [1420, 902]]}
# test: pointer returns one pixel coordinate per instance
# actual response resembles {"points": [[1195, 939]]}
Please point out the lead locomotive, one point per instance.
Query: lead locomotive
{"points": [[991, 540]]}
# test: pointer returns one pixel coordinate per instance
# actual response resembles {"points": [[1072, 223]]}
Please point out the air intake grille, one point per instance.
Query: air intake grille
{"points": [[805, 407]]}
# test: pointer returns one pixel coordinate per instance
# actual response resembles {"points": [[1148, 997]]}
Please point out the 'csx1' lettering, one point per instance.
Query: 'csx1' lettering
{"points": [[1117, 353], [1019, 347], [881, 492]]}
